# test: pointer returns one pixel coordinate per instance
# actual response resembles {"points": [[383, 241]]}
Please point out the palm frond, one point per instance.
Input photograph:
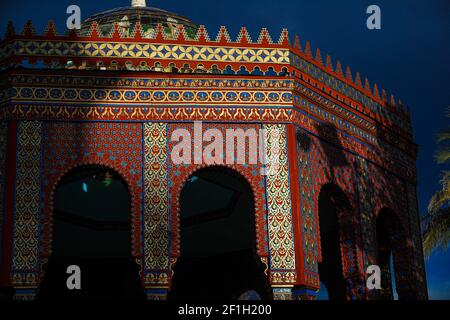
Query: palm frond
{"points": [[443, 136], [440, 198], [437, 232], [436, 225], [443, 155], [445, 181]]}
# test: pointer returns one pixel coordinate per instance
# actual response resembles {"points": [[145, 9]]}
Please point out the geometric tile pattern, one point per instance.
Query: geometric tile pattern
{"points": [[223, 52], [309, 224], [210, 98], [321, 163], [366, 207], [333, 82], [26, 225], [348, 90], [341, 117], [139, 82], [117, 146], [115, 141], [157, 96], [3, 141], [156, 209], [386, 144], [179, 174], [242, 53], [282, 253], [133, 50], [188, 113], [419, 270], [395, 194]]}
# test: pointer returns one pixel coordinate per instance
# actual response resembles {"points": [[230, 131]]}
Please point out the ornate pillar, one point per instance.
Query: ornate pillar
{"points": [[296, 204], [8, 177], [3, 146], [282, 293], [365, 191], [156, 262], [308, 223], [419, 276], [279, 206], [25, 267]]}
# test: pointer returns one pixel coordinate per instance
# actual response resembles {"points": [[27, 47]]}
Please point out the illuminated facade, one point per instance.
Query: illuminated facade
{"points": [[112, 94]]}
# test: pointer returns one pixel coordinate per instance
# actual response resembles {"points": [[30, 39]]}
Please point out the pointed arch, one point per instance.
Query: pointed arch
{"points": [[47, 223], [335, 240], [205, 249], [91, 227], [394, 255], [253, 180]]}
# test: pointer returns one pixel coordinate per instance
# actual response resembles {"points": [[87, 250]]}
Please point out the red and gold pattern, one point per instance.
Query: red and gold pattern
{"points": [[156, 209], [351, 136], [26, 225], [179, 175], [279, 206], [117, 146]]}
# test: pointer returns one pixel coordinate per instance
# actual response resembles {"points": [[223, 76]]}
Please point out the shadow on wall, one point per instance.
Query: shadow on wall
{"points": [[335, 154], [333, 210], [397, 221]]}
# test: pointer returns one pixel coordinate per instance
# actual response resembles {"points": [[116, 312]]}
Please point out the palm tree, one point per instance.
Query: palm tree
{"points": [[436, 224]]}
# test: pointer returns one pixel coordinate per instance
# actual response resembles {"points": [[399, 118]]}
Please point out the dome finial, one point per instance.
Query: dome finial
{"points": [[138, 3]]}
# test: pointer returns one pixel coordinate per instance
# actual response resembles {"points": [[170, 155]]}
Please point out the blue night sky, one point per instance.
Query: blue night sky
{"points": [[409, 57]]}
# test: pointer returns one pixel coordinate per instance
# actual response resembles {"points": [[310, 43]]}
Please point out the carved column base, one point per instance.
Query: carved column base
{"points": [[157, 285], [156, 294], [25, 294], [282, 293]]}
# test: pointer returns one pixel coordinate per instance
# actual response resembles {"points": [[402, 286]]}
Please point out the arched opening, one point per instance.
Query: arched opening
{"points": [[92, 230], [332, 204], [218, 240], [392, 257]]}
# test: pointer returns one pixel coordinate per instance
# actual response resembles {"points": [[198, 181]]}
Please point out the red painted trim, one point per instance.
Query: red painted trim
{"points": [[295, 197], [223, 38], [5, 265], [123, 74]]}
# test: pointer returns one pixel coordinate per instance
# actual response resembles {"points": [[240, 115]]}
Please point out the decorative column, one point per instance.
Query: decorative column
{"points": [[302, 290], [156, 268], [308, 242], [8, 176], [282, 293], [419, 276], [365, 190], [279, 206], [25, 256], [3, 146]]}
